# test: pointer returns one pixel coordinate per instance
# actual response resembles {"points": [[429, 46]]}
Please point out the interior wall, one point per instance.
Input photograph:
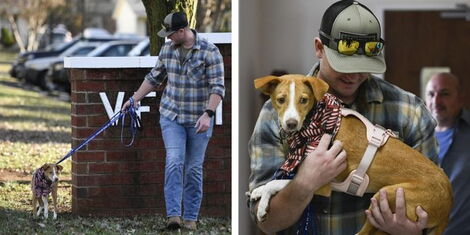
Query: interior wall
{"points": [[249, 67], [287, 32]]}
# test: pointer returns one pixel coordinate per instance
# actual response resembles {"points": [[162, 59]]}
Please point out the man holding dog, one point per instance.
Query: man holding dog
{"points": [[444, 98], [349, 49], [194, 71]]}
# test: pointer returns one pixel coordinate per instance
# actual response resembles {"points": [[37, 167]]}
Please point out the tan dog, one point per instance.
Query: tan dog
{"points": [[395, 164], [44, 182]]}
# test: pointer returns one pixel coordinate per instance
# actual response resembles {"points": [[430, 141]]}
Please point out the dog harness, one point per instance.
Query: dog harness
{"points": [[357, 181], [325, 118], [42, 186]]}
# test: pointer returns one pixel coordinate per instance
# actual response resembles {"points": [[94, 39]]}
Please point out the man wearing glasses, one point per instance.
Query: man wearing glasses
{"points": [[349, 49]]}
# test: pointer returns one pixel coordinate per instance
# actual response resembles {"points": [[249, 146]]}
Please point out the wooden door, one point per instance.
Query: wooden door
{"points": [[417, 39]]}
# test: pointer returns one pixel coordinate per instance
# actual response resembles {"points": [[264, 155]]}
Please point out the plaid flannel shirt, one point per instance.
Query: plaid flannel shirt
{"points": [[379, 101], [190, 83]]}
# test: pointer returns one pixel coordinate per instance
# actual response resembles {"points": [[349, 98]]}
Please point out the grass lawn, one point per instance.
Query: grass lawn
{"points": [[35, 129], [7, 54]]}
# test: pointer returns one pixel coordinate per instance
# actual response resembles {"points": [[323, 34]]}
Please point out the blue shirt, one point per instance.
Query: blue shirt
{"points": [[456, 164], [444, 138]]}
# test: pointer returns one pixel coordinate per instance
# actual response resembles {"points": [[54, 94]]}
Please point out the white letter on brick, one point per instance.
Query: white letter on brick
{"points": [[107, 105]]}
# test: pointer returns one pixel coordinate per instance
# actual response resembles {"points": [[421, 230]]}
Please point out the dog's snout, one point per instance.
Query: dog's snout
{"points": [[291, 124]]}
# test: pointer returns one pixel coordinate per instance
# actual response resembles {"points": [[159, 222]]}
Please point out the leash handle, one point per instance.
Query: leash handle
{"points": [[135, 123]]}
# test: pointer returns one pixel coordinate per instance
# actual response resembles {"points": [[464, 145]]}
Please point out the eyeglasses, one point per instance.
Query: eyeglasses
{"points": [[352, 46]]}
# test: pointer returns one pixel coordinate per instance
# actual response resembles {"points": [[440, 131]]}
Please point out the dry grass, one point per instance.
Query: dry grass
{"points": [[35, 129]]}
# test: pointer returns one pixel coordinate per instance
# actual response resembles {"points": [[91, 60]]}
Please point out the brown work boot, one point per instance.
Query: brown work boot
{"points": [[191, 225], [173, 223]]}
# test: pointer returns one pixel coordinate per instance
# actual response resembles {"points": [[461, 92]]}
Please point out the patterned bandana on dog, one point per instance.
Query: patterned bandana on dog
{"points": [[324, 118], [42, 186]]}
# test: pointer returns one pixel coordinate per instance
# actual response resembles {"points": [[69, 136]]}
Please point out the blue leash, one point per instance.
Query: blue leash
{"points": [[134, 126], [307, 222]]}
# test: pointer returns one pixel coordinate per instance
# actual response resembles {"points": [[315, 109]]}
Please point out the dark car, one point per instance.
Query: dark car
{"points": [[59, 76], [36, 69], [91, 35]]}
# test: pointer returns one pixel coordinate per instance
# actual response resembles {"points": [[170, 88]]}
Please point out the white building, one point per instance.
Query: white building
{"points": [[130, 17]]}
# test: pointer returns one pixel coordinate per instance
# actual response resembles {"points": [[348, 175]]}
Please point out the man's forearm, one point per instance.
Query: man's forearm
{"points": [[214, 100], [143, 90], [286, 207]]}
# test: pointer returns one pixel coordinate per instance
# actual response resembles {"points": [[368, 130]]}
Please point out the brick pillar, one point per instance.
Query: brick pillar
{"points": [[111, 179]]}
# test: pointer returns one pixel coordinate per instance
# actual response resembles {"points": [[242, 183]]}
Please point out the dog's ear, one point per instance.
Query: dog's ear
{"points": [[45, 166], [59, 168], [266, 84], [318, 86]]}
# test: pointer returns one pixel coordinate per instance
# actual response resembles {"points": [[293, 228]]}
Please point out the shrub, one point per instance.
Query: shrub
{"points": [[6, 38]]}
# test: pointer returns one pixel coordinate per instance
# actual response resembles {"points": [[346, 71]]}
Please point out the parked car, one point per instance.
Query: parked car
{"points": [[59, 76], [129, 36], [114, 48], [36, 69], [141, 49], [90, 34]]}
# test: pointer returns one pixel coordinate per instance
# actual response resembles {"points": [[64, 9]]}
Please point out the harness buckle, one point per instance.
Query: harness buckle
{"points": [[378, 136], [356, 182]]}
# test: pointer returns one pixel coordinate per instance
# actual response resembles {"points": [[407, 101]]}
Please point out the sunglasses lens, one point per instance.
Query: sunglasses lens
{"points": [[347, 47], [373, 48]]}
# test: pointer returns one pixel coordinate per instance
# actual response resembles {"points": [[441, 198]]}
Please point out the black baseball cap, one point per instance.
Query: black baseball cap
{"points": [[348, 18], [172, 23]]}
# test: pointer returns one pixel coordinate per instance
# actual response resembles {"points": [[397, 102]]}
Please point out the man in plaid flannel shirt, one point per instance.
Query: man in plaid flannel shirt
{"points": [[381, 102], [194, 71]]}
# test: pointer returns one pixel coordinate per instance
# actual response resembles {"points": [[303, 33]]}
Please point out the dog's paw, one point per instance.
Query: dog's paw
{"points": [[39, 211], [54, 216], [263, 207], [257, 193]]}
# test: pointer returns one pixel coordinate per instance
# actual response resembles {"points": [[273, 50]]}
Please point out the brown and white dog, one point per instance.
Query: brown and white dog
{"points": [[44, 182], [395, 164]]}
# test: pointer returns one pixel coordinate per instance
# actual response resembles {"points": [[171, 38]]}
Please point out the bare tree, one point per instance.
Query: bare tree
{"points": [[34, 12], [157, 10], [214, 16]]}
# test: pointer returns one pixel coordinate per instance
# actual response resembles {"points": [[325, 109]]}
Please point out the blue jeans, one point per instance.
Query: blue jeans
{"points": [[185, 152]]}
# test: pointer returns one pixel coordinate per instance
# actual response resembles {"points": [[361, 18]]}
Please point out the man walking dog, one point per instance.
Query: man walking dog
{"points": [[349, 49], [194, 71]]}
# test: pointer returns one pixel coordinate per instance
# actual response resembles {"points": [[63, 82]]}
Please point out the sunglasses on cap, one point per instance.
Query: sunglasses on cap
{"points": [[166, 27], [356, 46]]}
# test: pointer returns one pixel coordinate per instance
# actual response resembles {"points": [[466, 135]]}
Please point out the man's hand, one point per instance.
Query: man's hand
{"points": [[318, 168], [322, 165], [203, 123], [125, 106], [381, 217]]}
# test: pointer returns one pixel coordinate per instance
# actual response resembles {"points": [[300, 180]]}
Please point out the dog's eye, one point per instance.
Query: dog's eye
{"points": [[281, 100], [303, 100]]}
